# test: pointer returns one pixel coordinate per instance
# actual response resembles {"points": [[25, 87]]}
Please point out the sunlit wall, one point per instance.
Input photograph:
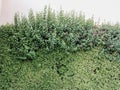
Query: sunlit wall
{"points": [[0, 6], [107, 10]]}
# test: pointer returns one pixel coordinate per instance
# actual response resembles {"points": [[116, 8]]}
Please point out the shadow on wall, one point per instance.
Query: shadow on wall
{"points": [[89, 7], [0, 5], [10, 7], [0, 10]]}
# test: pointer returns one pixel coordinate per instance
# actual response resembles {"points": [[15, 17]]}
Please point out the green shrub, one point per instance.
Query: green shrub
{"points": [[48, 30], [110, 35]]}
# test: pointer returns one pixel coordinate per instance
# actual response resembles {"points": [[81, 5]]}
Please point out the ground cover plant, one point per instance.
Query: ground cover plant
{"points": [[59, 51]]}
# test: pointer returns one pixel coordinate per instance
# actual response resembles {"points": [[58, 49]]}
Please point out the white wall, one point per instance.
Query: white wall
{"points": [[0, 6], [104, 9], [9, 7], [0, 10]]}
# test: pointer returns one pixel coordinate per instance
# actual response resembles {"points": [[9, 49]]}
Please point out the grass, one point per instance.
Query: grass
{"points": [[60, 71]]}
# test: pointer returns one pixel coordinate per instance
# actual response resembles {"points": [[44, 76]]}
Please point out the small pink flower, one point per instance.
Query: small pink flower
{"points": [[81, 46], [65, 33], [95, 33], [102, 32], [91, 44], [111, 46]]}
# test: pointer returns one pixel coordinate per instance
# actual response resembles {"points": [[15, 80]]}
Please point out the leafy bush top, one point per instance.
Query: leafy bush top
{"points": [[49, 31]]}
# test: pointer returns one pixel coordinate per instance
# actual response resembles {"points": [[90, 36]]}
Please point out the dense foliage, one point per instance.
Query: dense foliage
{"points": [[60, 71], [48, 31], [111, 41]]}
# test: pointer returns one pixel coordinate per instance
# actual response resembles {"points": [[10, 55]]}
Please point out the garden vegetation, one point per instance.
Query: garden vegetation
{"points": [[50, 43]]}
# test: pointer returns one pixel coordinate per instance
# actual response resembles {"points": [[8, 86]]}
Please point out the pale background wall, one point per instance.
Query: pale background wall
{"points": [[0, 6], [104, 9]]}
